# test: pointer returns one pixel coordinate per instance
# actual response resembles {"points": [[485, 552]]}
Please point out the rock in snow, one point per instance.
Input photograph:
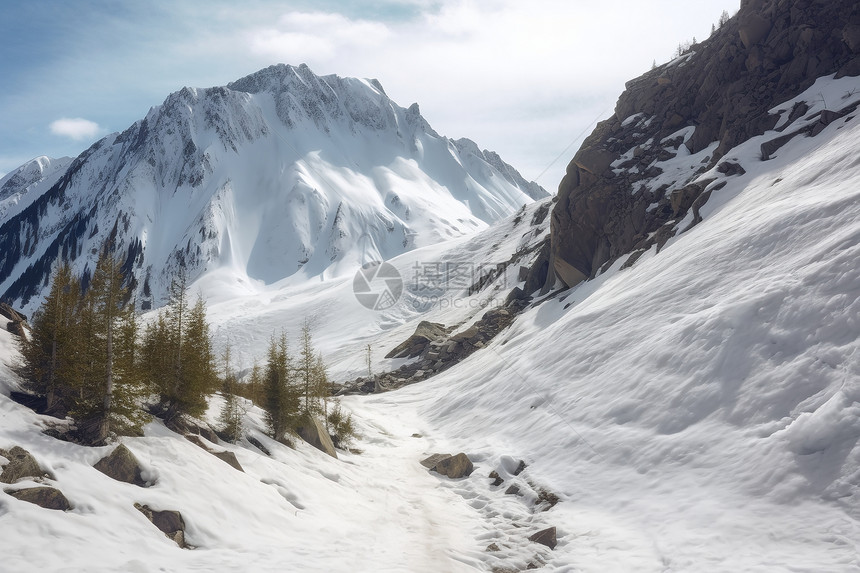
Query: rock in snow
{"points": [[46, 497], [121, 465], [21, 465], [454, 467]]}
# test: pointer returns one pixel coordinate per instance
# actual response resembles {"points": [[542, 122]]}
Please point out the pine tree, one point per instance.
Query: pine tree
{"points": [[230, 419], [312, 374], [281, 395], [178, 351], [87, 374], [127, 416], [106, 374], [176, 318], [199, 378], [155, 355], [46, 353], [108, 293]]}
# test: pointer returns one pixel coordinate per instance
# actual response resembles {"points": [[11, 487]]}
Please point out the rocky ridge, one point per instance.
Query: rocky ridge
{"points": [[624, 192]]}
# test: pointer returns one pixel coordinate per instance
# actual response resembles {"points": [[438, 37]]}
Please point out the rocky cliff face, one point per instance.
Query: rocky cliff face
{"points": [[626, 191]]}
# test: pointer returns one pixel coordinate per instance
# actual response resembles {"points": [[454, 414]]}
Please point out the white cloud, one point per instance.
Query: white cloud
{"points": [[76, 128], [315, 36]]}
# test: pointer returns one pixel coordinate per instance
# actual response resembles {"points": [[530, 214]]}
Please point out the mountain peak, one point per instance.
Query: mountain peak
{"points": [[279, 173], [301, 95]]}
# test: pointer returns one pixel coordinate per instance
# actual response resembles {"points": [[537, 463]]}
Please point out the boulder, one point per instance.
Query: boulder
{"points": [[169, 522], [312, 431], [546, 499], [545, 537], [47, 497], [455, 467], [121, 465], [22, 465], [497, 479], [731, 168]]}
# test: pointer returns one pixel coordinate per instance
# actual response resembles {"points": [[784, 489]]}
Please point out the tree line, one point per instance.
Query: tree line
{"points": [[89, 358]]}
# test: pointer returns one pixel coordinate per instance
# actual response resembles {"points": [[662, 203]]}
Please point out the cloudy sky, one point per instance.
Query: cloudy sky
{"points": [[525, 79]]}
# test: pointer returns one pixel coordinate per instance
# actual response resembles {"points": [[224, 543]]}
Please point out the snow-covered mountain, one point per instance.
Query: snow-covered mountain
{"points": [[23, 185], [280, 174]]}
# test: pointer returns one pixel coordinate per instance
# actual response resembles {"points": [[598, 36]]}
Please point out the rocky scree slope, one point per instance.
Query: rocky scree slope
{"points": [[622, 193]]}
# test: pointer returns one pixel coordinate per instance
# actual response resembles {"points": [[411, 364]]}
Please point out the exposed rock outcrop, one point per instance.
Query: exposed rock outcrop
{"points": [[708, 100], [440, 353]]}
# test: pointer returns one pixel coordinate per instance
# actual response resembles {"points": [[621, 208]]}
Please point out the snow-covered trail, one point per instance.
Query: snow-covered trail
{"points": [[409, 523]]}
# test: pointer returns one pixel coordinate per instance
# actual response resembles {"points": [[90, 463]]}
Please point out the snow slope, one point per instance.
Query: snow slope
{"points": [[280, 175]]}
